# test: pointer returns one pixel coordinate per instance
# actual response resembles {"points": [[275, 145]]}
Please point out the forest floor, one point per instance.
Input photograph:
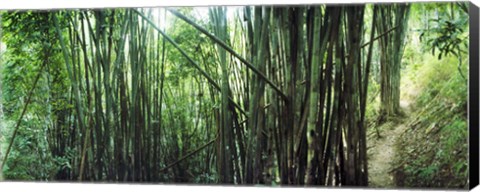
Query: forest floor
{"points": [[382, 151]]}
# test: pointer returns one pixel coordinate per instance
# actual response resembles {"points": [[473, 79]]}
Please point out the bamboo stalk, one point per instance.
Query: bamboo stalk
{"points": [[195, 64], [230, 50], [25, 107], [188, 155]]}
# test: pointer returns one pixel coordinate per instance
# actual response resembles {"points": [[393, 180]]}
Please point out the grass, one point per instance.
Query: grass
{"points": [[433, 151]]}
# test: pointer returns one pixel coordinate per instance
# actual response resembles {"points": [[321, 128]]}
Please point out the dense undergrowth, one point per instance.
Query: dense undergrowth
{"points": [[433, 150]]}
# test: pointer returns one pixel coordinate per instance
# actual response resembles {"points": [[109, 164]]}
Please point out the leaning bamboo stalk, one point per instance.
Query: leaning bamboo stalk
{"points": [[15, 130], [379, 36], [230, 50], [195, 64], [188, 155]]}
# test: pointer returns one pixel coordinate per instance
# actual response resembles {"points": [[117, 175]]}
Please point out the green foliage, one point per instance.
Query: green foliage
{"points": [[439, 80], [447, 37], [438, 158], [125, 111], [448, 31], [436, 141], [433, 151], [192, 42], [30, 45], [455, 133], [205, 178], [30, 159], [373, 106]]}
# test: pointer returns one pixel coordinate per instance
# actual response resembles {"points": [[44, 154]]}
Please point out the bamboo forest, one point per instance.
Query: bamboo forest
{"points": [[371, 95]]}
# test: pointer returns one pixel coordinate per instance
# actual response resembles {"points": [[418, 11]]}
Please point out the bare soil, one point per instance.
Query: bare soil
{"points": [[382, 151]]}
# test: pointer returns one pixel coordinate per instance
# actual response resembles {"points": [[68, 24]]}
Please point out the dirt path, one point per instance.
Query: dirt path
{"points": [[381, 152]]}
